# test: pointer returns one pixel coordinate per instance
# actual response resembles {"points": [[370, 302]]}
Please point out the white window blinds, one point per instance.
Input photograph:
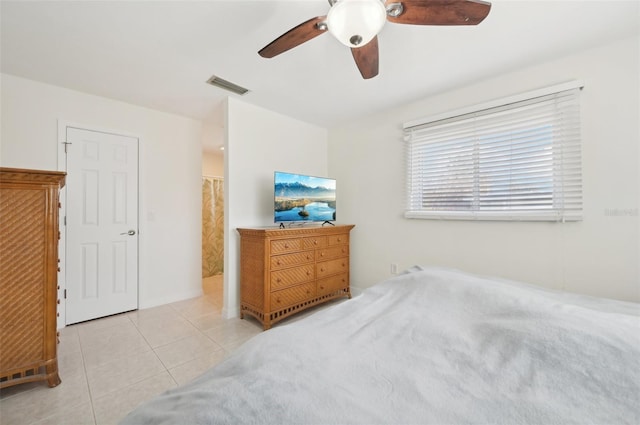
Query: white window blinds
{"points": [[516, 161]]}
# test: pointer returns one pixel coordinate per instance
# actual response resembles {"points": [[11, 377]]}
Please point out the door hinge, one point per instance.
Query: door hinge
{"points": [[65, 294], [66, 144], [65, 220]]}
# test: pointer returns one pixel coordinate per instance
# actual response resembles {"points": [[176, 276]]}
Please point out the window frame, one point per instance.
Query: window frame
{"points": [[558, 145]]}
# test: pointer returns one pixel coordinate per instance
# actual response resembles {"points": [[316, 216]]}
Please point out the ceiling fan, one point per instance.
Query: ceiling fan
{"points": [[356, 24]]}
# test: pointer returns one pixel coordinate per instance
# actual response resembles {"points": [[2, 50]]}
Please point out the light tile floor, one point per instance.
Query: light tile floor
{"points": [[108, 366]]}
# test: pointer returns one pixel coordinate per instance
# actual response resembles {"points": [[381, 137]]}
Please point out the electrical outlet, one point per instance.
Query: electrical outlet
{"points": [[394, 268]]}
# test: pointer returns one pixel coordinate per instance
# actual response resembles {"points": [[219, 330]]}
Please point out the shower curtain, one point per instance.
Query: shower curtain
{"points": [[212, 226]]}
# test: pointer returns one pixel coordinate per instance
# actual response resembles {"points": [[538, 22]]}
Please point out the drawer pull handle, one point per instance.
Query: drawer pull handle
{"points": [[278, 280], [339, 239], [321, 269], [278, 300], [315, 242], [278, 262], [322, 287], [286, 245], [308, 272], [322, 254]]}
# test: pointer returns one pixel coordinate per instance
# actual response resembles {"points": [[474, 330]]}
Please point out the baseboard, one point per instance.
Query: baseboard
{"points": [[155, 302], [356, 290], [231, 313]]}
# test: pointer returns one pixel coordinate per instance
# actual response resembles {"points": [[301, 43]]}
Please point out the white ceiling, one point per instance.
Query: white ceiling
{"points": [[158, 54]]}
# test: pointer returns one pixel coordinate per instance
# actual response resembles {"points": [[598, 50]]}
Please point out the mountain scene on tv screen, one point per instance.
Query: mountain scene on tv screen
{"points": [[295, 201]]}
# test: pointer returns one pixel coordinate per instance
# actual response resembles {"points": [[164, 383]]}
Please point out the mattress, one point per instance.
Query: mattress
{"points": [[430, 346]]}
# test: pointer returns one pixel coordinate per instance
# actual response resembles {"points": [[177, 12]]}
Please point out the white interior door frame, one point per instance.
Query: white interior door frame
{"points": [[61, 140]]}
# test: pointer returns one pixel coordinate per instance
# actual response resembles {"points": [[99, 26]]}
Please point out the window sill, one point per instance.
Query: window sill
{"points": [[494, 216]]}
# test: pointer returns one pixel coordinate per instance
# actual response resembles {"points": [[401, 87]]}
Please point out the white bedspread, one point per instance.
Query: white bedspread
{"points": [[432, 346]]}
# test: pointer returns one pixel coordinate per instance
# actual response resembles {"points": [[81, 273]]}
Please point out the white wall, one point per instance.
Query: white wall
{"points": [[213, 135], [170, 166], [213, 164], [598, 256], [259, 142]]}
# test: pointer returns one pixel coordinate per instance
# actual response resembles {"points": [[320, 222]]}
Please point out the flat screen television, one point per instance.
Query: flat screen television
{"points": [[298, 197]]}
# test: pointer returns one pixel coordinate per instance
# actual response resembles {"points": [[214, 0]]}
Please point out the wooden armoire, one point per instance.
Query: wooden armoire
{"points": [[29, 234]]}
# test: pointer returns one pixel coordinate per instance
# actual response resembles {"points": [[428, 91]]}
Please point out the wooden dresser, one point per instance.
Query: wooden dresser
{"points": [[284, 271], [28, 275]]}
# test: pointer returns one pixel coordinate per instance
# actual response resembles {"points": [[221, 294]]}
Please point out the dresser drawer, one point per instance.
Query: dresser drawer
{"points": [[281, 246], [287, 260], [327, 268], [333, 283], [291, 296], [332, 252], [339, 239], [314, 242], [292, 276]]}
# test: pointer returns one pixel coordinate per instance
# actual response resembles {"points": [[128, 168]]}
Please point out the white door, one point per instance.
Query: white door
{"points": [[102, 224]]}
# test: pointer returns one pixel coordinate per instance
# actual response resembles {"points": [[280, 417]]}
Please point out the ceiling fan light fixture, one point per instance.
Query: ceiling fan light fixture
{"points": [[355, 22]]}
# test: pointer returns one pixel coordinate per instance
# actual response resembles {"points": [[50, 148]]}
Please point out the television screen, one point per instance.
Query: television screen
{"points": [[303, 198]]}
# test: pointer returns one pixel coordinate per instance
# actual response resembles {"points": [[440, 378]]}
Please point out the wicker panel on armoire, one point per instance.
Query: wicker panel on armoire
{"points": [[29, 203]]}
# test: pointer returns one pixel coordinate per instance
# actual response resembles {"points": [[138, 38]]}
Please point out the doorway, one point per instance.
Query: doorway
{"points": [[213, 236]]}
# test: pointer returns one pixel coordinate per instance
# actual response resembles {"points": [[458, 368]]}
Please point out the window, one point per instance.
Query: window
{"points": [[515, 159]]}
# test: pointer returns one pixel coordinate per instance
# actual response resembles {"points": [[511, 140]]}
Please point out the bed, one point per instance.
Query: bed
{"points": [[430, 346]]}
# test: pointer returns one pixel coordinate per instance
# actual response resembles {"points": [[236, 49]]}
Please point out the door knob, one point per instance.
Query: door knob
{"points": [[130, 233]]}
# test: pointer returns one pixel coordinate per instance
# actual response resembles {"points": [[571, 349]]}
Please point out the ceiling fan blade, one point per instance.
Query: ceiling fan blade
{"points": [[294, 37], [441, 12], [366, 58]]}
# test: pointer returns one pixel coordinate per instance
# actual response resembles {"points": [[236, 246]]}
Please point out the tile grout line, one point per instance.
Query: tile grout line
{"points": [[200, 332], [86, 377], [166, 369], [153, 349], [189, 313], [138, 381]]}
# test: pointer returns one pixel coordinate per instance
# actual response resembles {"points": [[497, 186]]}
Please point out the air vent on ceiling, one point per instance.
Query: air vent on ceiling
{"points": [[227, 85]]}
